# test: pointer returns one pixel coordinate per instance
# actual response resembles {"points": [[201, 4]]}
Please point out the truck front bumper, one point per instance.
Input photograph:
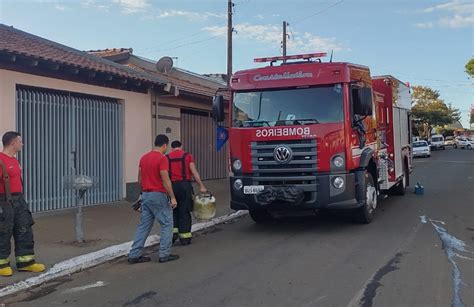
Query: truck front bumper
{"points": [[321, 195]]}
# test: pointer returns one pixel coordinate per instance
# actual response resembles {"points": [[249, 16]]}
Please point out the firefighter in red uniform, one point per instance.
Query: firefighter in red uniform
{"points": [[15, 218], [182, 168]]}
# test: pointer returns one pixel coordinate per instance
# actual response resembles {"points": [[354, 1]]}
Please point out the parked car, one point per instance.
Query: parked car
{"points": [[421, 149], [463, 142], [449, 141], [437, 142]]}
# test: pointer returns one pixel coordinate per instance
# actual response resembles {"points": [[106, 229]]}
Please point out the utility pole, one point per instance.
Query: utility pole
{"points": [[230, 5], [284, 39]]}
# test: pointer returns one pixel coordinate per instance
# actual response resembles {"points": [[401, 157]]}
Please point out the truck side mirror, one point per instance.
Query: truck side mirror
{"points": [[218, 108], [362, 101]]}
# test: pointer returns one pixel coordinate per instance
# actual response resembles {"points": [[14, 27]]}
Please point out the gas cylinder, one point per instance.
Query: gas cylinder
{"points": [[419, 189], [204, 206]]}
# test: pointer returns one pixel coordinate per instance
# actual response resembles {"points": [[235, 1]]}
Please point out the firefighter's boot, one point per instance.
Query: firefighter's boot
{"points": [[6, 271], [175, 234], [28, 264], [185, 238], [35, 268]]}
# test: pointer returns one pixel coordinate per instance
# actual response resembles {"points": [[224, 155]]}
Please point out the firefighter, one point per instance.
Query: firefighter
{"points": [[182, 168], [157, 203], [15, 217]]}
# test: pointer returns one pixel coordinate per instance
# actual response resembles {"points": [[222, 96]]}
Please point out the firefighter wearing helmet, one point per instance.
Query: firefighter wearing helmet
{"points": [[182, 169]]}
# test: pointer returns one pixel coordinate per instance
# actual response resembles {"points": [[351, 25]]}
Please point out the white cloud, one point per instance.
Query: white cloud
{"points": [[143, 6], [272, 34], [312, 43], [210, 14], [457, 14], [259, 16], [190, 15], [57, 4], [127, 6], [132, 6], [455, 6], [103, 6], [424, 25], [457, 21], [216, 30]]}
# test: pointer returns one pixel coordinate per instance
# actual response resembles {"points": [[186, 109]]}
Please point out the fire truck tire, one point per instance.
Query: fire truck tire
{"points": [[260, 216], [365, 213], [401, 187]]}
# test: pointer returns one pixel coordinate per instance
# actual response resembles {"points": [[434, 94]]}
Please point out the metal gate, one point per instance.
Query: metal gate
{"points": [[68, 134], [198, 133]]}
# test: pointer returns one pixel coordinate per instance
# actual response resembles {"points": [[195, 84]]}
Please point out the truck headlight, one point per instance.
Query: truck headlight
{"points": [[238, 184], [338, 182], [237, 165], [338, 161]]}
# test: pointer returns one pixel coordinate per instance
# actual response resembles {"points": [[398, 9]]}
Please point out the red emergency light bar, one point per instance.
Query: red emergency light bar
{"points": [[291, 57]]}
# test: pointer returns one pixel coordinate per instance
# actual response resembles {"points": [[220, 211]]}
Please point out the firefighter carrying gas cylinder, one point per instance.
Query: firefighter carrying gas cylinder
{"points": [[182, 169]]}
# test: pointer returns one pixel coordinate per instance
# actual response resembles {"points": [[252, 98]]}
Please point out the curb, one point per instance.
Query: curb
{"points": [[86, 261]]}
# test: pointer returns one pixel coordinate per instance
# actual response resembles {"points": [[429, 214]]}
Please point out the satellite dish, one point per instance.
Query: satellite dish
{"points": [[164, 64]]}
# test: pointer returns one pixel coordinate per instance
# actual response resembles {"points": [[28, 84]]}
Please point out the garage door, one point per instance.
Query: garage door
{"points": [[68, 134], [198, 133]]}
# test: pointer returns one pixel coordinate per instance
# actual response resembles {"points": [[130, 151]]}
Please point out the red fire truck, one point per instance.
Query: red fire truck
{"points": [[310, 135]]}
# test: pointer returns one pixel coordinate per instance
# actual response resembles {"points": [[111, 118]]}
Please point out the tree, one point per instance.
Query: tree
{"points": [[429, 110], [455, 113], [470, 68]]}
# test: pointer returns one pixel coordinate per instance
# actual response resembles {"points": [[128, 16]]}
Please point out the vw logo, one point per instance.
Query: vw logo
{"points": [[282, 154]]}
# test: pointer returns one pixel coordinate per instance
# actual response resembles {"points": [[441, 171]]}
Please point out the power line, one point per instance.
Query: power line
{"points": [[455, 85], [318, 12], [189, 44], [183, 37], [422, 79]]}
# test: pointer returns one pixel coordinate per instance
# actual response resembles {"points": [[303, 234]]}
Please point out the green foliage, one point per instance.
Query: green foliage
{"points": [[429, 110], [445, 131], [470, 68]]}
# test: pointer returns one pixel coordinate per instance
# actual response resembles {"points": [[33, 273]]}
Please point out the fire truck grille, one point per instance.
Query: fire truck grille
{"points": [[300, 171]]}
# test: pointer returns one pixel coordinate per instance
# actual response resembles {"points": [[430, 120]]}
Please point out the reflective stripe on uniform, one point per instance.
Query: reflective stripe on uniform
{"points": [[175, 230], [26, 258], [185, 235], [4, 261]]}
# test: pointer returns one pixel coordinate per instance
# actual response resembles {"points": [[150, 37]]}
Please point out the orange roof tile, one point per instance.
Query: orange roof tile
{"points": [[18, 42]]}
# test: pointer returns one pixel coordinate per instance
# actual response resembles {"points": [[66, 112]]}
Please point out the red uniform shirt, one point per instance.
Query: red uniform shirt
{"points": [[176, 166], [14, 172], [150, 166]]}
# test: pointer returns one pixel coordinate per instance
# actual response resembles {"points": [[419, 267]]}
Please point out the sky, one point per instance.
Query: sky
{"points": [[423, 42]]}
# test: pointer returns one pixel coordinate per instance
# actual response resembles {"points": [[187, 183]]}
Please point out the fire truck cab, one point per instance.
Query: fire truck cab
{"points": [[309, 135]]}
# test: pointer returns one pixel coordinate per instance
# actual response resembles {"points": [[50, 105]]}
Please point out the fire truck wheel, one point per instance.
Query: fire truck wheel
{"points": [[260, 216], [401, 187], [365, 213]]}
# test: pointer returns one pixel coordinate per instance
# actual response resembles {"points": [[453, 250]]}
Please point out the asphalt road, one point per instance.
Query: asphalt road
{"points": [[419, 251]]}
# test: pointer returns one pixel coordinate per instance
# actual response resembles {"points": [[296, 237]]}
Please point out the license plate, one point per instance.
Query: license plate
{"points": [[253, 189]]}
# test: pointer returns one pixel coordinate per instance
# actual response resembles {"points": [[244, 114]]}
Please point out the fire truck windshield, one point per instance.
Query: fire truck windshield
{"points": [[298, 106]]}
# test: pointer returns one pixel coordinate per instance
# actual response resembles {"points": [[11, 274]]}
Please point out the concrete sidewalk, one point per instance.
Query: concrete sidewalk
{"points": [[104, 225]]}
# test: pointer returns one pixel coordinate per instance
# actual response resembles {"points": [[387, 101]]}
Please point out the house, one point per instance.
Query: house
{"points": [[182, 109], [95, 113], [78, 114]]}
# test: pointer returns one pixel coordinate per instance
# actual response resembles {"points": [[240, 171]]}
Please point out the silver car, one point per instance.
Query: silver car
{"points": [[421, 149]]}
